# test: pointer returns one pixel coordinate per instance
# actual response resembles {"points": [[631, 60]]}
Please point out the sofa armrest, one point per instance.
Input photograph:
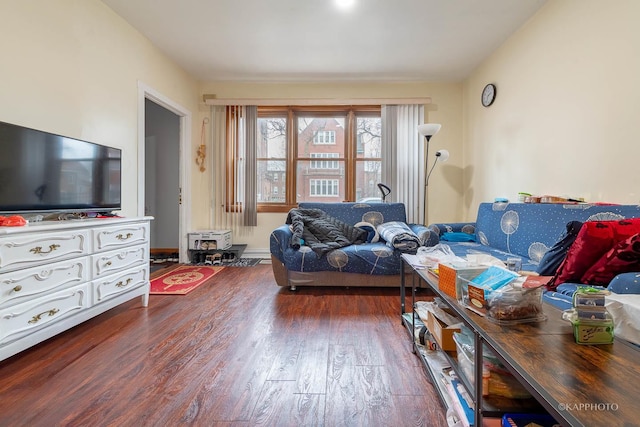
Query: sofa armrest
{"points": [[427, 236], [279, 241], [453, 227]]}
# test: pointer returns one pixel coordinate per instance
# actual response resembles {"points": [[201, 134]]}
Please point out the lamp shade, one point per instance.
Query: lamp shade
{"points": [[442, 155], [429, 129]]}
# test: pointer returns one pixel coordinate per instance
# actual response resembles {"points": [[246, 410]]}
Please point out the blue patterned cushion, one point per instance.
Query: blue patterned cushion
{"points": [[530, 229], [352, 213], [368, 258], [625, 283]]}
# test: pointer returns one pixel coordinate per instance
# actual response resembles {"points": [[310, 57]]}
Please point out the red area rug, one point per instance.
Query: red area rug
{"points": [[182, 280]]}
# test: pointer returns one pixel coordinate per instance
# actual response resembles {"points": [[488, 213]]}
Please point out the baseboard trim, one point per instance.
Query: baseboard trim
{"points": [[163, 250], [262, 253]]}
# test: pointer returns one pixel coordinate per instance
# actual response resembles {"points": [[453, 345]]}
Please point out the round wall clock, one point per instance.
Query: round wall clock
{"points": [[488, 94]]}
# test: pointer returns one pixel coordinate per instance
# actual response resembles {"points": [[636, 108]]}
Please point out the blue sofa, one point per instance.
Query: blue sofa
{"points": [[528, 231], [366, 264]]}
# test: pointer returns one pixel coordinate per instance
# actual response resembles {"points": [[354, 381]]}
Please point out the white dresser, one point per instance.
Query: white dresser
{"points": [[55, 275]]}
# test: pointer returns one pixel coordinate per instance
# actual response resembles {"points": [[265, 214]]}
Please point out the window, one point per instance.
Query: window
{"points": [[324, 137], [328, 154], [271, 159], [324, 187], [319, 164]]}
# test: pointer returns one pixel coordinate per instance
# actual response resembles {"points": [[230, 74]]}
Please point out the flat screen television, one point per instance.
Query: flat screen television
{"points": [[43, 172]]}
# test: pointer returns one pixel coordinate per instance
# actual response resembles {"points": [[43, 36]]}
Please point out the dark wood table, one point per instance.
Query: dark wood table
{"points": [[579, 385]]}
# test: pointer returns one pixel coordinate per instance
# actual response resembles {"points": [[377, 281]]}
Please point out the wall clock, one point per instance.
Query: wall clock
{"points": [[488, 94]]}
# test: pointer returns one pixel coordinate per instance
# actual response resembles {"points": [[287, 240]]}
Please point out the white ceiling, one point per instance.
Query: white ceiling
{"points": [[314, 40]]}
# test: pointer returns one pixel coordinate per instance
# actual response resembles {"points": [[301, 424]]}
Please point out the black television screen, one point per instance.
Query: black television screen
{"points": [[43, 172]]}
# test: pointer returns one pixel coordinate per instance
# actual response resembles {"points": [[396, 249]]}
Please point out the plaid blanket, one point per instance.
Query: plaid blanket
{"points": [[399, 236]]}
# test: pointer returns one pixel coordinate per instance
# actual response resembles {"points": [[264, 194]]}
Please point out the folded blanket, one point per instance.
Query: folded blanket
{"points": [[322, 232], [399, 236]]}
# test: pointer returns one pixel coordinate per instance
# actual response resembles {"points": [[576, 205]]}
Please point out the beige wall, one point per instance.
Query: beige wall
{"points": [[445, 186], [72, 67], [565, 120]]}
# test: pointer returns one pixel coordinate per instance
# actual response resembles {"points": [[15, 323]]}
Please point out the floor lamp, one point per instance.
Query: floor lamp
{"points": [[428, 130]]}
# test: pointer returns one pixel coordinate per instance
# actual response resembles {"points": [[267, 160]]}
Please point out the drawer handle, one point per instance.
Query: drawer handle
{"points": [[120, 284], [38, 317], [17, 288], [121, 237], [38, 249]]}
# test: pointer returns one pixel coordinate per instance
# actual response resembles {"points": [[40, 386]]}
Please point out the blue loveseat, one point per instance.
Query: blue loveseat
{"points": [[372, 263], [529, 231]]}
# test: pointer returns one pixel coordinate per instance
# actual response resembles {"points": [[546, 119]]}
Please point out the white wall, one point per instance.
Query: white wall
{"points": [[565, 120], [72, 67]]}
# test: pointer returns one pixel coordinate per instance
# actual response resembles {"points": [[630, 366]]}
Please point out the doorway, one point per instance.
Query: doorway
{"points": [[164, 134], [162, 181]]}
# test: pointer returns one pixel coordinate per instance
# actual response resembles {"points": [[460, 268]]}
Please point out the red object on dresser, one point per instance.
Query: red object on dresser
{"points": [[12, 221]]}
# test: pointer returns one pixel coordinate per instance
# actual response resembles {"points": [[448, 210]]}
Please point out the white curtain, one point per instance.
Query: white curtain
{"points": [[234, 194], [250, 203], [219, 135], [403, 157]]}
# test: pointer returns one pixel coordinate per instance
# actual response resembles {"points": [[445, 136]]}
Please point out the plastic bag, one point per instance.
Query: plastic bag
{"points": [[440, 253]]}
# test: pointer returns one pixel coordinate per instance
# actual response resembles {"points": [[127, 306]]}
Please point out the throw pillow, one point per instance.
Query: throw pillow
{"points": [[458, 237], [552, 259], [372, 236], [624, 257], [594, 239]]}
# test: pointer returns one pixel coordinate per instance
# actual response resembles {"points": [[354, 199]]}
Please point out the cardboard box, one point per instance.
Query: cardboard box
{"points": [[451, 278], [475, 298], [210, 240], [442, 332]]}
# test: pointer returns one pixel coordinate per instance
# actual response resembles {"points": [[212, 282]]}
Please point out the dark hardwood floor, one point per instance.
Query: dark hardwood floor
{"points": [[238, 351]]}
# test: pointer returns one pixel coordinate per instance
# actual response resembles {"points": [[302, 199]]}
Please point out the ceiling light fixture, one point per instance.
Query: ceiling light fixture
{"points": [[345, 4]]}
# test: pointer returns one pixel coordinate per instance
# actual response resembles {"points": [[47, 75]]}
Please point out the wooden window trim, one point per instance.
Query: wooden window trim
{"points": [[292, 113]]}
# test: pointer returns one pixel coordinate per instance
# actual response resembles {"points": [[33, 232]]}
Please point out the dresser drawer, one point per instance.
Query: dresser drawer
{"points": [[120, 283], [114, 261], [17, 286], [120, 236], [22, 319], [21, 251]]}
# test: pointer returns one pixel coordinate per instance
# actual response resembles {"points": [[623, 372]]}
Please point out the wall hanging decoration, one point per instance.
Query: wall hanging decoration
{"points": [[201, 154]]}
